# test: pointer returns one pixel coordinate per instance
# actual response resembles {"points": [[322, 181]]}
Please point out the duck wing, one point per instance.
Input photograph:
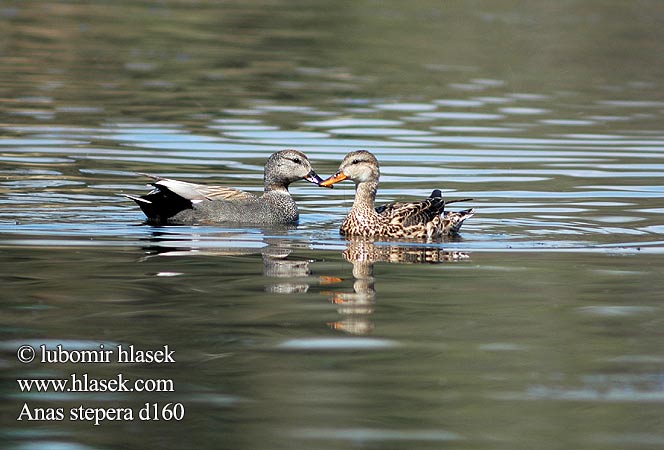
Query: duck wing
{"points": [[416, 213], [224, 193], [198, 192], [412, 213]]}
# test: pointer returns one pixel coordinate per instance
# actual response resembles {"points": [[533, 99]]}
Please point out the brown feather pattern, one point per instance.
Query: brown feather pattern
{"points": [[425, 219]]}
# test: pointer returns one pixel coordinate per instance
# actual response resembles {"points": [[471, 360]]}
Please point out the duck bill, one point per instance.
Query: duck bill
{"points": [[337, 177], [312, 177]]}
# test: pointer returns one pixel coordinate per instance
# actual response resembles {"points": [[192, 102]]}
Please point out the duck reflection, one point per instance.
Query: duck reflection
{"points": [[296, 274], [285, 273], [292, 275], [357, 307]]}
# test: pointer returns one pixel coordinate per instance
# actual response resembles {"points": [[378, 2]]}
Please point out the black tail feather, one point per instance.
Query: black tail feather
{"points": [[159, 205], [447, 202]]}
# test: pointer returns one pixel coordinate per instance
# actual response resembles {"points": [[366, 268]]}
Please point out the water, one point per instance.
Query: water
{"points": [[539, 327]]}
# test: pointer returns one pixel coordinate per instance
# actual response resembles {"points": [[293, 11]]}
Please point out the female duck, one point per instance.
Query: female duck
{"points": [[179, 202], [426, 219]]}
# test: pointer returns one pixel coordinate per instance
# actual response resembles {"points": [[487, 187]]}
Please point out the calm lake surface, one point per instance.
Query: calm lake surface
{"points": [[540, 327]]}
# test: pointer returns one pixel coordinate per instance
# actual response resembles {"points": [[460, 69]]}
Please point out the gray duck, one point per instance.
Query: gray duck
{"points": [[179, 202]]}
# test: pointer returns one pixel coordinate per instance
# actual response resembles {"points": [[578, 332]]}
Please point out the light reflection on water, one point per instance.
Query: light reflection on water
{"points": [[542, 320], [542, 163]]}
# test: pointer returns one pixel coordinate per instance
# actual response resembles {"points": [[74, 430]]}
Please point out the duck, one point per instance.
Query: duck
{"points": [[177, 202], [423, 220]]}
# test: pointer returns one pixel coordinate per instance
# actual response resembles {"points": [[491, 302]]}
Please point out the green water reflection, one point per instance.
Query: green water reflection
{"points": [[470, 354]]}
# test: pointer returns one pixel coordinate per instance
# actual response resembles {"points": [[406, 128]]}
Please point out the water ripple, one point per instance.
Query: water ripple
{"points": [[448, 144]]}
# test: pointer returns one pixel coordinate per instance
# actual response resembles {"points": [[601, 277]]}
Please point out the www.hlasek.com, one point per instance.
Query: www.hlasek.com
{"points": [[82, 382]]}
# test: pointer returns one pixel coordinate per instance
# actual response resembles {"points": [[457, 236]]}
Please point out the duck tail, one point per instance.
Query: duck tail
{"points": [[447, 202], [159, 205], [457, 218], [147, 206]]}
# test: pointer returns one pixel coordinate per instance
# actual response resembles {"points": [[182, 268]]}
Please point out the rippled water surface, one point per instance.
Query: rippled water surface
{"points": [[540, 326]]}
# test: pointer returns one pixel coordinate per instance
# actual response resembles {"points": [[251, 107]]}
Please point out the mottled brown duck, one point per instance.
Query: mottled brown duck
{"points": [[426, 219]]}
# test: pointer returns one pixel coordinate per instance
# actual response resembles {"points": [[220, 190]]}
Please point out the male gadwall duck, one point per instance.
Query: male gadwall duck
{"points": [[178, 202], [426, 219]]}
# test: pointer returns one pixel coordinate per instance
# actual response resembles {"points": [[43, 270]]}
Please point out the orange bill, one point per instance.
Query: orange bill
{"points": [[337, 177]]}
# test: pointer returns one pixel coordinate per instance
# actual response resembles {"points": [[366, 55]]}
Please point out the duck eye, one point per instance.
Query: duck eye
{"points": [[355, 161], [297, 161]]}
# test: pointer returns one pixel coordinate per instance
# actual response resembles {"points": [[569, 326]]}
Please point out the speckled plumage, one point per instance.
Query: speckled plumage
{"points": [[426, 219], [179, 202]]}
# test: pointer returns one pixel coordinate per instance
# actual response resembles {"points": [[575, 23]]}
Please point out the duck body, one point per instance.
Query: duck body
{"points": [[426, 219], [179, 202], [274, 207]]}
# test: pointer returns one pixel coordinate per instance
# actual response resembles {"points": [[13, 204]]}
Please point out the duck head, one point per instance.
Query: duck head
{"points": [[285, 167], [360, 166]]}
